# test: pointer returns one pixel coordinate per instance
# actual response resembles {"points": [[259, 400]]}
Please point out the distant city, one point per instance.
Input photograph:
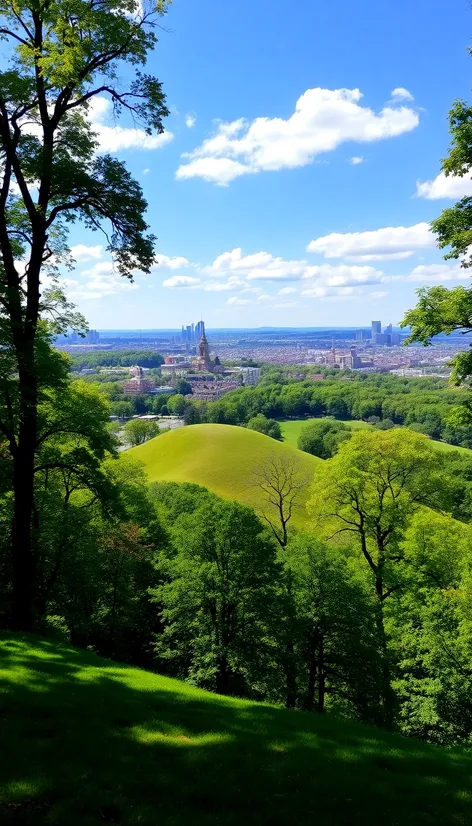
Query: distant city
{"points": [[376, 348]]}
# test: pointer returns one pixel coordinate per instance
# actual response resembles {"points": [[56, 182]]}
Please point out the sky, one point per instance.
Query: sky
{"points": [[299, 169]]}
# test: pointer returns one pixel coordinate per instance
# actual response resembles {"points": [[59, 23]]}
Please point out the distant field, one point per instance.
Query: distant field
{"points": [[291, 428], [220, 457]]}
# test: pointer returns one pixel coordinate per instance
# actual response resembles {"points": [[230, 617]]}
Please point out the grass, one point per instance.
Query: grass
{"points": [[291, 430], [220, 457], [86, 742]]}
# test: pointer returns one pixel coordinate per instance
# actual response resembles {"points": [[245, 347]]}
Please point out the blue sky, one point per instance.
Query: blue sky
{"points": [[300, 166]]}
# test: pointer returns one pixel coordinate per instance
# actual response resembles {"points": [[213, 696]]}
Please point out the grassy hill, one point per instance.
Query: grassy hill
{"points": [[86, 742], [221, 457]]}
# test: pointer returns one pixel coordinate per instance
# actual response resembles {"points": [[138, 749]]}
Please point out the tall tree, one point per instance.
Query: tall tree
{"points": [[440, 310], [369, 491], [59, 57]]}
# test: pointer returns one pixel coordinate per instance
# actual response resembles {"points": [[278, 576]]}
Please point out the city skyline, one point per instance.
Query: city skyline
{"points": [[302, 198]]}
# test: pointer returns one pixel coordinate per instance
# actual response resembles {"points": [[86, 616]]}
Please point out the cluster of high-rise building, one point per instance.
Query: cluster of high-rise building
{"points": [[192, 333], [386, 337]]}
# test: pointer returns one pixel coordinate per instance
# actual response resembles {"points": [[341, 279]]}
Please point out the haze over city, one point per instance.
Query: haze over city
{"points": [[290, 187]]}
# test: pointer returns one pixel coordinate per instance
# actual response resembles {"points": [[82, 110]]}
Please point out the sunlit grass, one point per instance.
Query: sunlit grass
{"points": [[223, 458], [86, 741]]}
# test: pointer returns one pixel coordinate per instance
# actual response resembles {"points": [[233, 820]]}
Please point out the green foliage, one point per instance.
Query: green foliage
{"points": [[138, 431], [176, 404], [221, 579], [116, 358], [323, 438], [263, 425]]}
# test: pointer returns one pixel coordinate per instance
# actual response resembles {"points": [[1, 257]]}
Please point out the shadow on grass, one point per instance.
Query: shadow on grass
{"points": [[86, 741]]}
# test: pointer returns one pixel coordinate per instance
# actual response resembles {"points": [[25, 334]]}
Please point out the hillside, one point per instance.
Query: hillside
{"points": [[86, 741], [221, 457]]}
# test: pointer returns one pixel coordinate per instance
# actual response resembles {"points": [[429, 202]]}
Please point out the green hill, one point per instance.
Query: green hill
{"points": [[86, 742], [220, 457]]}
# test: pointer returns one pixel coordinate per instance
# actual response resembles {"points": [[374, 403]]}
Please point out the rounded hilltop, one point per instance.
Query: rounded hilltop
{"points": [[223, 458]]}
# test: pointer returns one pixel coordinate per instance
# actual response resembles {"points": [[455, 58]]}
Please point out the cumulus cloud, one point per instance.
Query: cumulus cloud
{"points": [[433, 272], [259, 266], [323, 119], [400, 93], [190, 121], [344, 275], [101, 280], [181, 282], [356, 160], [389, 243], [168, 262], [239, 302], [443, 186], [287, 291], [116, 138], [81, 252]]}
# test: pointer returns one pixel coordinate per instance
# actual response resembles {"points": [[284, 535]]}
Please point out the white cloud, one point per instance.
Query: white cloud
{"points": [[443, 186], [389, 243], [433, 272], [400, 93], [168, 262], [190, 121], [356, 160], [232, 285], [332, 292], [115, 138], [145, 171], [260, 266], [103, 280], [343, 275], [240, 302], [323, 119], [285, 305], [81, 252], [181, 282], [287, 291]]}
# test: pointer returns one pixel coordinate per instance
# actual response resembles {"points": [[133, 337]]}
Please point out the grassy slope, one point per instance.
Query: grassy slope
{"points": [[86, 741], [291, 431], [221, 457], [291, 428]]}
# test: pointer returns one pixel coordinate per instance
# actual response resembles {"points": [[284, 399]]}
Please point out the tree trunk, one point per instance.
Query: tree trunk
{"points": [[222, 676], [23, 489], [321, 678], [310, 692], [387, 696], [290, 676]]}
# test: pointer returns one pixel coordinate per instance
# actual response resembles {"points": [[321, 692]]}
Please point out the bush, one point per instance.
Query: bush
{"points": [[323, 438], [267, 426]]}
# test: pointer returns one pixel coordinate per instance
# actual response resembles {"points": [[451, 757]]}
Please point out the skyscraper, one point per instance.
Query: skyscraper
{"points": [[199, 331], [376, 330]]}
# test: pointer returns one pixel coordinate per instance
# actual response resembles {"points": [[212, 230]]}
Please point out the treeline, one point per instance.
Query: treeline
{"points": [[116, 358], [426, 405]]}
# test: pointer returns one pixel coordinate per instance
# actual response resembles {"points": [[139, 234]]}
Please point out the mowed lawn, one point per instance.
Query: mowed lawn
{"points": [[87, 742], [223, 458], [291, 428]]}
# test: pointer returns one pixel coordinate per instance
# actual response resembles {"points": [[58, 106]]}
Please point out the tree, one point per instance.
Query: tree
{"points": [[370, 491], [322, 438], [183, 387], [177, 404], [270, 427], [60, 59], [440, 310], [335, 649], [282, 483], [218, 595], [138, 431]]}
